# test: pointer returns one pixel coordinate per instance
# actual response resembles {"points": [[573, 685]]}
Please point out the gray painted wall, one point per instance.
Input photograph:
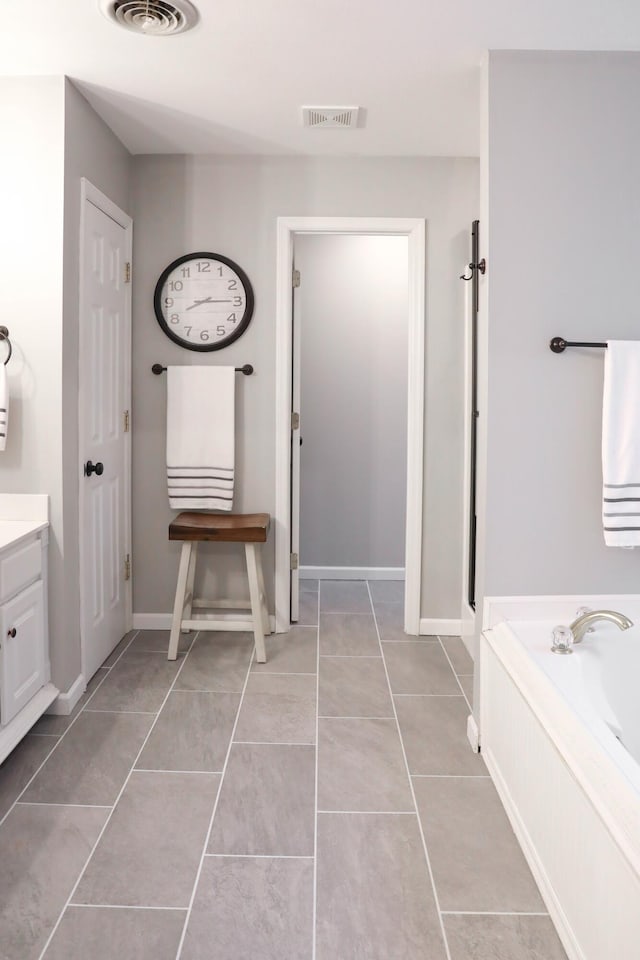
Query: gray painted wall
{"points": [[562, 211], [52, 137], [32, 172], [230, 205], [353, 332]]}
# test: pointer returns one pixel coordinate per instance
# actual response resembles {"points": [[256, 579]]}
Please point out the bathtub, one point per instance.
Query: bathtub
{"points": [[561, 738]]}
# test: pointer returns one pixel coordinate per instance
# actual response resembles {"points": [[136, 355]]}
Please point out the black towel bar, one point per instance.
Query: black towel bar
{"points": [[559, 344], [247, 369]]}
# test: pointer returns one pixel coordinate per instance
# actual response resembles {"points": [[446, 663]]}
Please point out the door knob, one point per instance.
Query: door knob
{"points": [[12, 632], [97, 468]]}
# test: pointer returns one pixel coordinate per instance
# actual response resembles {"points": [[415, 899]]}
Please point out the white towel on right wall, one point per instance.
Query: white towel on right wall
{"points": [[621, 444]]}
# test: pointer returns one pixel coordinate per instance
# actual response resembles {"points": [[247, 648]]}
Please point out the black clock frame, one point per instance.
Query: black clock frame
{"points": [[242, 325]]}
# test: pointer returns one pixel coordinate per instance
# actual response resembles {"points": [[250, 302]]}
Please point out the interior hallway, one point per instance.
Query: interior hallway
{"points": [[183, 810]]}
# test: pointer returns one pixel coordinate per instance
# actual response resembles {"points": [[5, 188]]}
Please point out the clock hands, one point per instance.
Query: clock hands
{"points": [[196, 303]]}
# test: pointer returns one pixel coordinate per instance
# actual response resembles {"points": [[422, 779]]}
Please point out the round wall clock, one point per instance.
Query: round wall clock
{"points": [[203, 301]]}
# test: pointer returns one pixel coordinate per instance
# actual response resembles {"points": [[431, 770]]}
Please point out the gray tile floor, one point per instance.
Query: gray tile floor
{"points": [[322, 806]]}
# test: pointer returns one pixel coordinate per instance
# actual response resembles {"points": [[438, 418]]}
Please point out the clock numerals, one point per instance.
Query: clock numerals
{"points": [[203, 301]]}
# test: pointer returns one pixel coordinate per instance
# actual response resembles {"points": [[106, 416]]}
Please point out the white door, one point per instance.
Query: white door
{"points": [[104, 422], [296, 441]]}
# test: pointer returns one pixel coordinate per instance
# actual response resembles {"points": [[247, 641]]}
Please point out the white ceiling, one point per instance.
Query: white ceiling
{"points": [[236, 82]]}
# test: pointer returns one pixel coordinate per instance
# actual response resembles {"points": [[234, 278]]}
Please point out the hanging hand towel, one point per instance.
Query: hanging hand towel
{"points": [[4, 406], [621, 444], [200, 437]]}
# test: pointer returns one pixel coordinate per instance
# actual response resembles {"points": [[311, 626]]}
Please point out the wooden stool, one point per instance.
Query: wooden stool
{"points": [[193, 528]]}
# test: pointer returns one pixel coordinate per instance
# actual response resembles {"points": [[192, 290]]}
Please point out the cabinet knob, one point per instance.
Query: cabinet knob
{"points": [[12, 632]]}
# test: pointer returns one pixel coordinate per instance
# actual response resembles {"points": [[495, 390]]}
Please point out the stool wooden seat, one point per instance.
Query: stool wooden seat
{"points": [[194, 527]]}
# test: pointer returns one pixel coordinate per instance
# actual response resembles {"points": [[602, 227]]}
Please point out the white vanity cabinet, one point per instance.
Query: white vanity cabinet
{"points": [[25, 687], [24, 655]]}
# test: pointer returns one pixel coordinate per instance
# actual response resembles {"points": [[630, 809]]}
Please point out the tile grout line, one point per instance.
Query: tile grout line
{"points": [[456, 696], [455, 674], [451, 776], [314, 907], [494, 913], [374, 813], [413, 795], [128, 713], [275, 743], [46, 803], [122, 789], [260, 856], [121, 906], [174, 770], [350, 656], [61, 737], [214, 811], [281, 673], [354, 718]]}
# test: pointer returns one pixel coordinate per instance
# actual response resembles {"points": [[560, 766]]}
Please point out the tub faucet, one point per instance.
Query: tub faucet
{"points": [[581, 624]]}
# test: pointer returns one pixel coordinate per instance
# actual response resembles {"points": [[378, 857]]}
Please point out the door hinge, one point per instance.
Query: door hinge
{"points": [[127, 272], [295, 421], [295, 278], [126, 421], [127, 567], [293, 561]]}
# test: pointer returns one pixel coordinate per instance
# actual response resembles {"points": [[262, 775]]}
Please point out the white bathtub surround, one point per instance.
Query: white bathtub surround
{"points": [[570, 788], [621, 444], [556, 607]]}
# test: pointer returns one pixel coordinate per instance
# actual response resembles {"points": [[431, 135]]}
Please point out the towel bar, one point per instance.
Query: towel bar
{"points": [[157, 368], [559, 344]]}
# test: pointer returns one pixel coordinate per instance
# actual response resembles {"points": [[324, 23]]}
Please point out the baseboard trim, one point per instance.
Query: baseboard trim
{"points": [[152, 621], [352, 573], [473, 733], [440, 628], [162, 621], [64, 703]]}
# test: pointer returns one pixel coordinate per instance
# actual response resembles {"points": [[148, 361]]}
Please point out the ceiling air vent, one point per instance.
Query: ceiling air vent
{"points": [[154, 18], [326, 117]]}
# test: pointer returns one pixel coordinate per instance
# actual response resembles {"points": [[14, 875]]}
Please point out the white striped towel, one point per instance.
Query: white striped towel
{"points": [[200, 437], [4, 406], [621, 444]]}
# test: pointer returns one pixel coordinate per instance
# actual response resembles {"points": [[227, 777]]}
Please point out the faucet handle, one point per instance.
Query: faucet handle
{"points": [[580, 612], [562, 640]]}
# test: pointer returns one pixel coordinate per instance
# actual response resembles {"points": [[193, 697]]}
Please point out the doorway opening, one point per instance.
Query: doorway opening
{"points": [[295, 235]]}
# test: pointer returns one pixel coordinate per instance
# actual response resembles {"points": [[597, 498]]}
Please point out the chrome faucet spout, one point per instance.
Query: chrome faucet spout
{"points": [[581, 624]]}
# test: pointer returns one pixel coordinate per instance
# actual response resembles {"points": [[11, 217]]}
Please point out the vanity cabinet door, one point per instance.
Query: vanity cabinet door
{"points": [[22, 652]]}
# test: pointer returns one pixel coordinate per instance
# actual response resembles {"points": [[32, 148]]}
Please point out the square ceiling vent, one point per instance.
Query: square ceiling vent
{"points": [[330, 117]]}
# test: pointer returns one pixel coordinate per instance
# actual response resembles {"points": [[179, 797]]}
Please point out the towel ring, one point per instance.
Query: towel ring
{"points": [[4, 335]]}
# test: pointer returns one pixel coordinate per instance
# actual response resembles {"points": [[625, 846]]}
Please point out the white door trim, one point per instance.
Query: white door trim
{"points": [[90, 194], [414, 230]]}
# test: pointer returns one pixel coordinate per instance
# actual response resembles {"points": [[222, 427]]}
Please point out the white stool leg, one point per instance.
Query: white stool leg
{"points": [[254, 593], [266, 626], [191, 576], [178, 605]]}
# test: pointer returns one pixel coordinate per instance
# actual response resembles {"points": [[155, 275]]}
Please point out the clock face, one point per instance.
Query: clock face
{"points": [[203, 301]]}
